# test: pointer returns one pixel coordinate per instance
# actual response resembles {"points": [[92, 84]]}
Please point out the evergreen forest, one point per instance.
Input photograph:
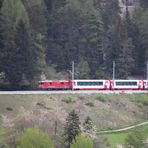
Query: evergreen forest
{"points": [[40, 38]]}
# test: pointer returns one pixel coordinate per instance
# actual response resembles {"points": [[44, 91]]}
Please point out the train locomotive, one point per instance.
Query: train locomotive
{"points": [[93, 85]]}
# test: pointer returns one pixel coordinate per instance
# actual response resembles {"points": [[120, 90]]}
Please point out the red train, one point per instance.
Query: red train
{"points": [[93, 85]]}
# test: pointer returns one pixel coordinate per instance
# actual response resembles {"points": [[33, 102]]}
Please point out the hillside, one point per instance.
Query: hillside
{"points": [[43, 111], [39, 39]]}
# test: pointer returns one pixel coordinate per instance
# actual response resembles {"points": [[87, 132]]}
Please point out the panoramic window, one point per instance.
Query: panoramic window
{"points": [[89, 83], [130, 83]]}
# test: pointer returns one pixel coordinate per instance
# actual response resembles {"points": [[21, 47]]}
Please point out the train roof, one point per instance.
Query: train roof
{"points": [[54, 81]]}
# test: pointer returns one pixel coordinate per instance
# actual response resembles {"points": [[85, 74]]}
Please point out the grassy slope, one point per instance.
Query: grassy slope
{"points": [[115, 139], [119, 138], [111, 111], [2, 131]]}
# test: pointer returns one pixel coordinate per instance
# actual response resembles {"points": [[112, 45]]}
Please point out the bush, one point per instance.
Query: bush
{"points": [[101, 97], [91, 104], [143, 101], [34, 138], [140, 99], [68, 99], [88, 123], [134, 139], [81, 142]]}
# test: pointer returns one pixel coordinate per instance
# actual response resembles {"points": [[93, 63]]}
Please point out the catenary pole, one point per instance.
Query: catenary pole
{"points": [[147, 75], [113, 72], [73, 70]]}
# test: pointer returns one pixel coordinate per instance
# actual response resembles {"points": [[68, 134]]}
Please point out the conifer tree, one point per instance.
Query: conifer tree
{"points": [[143, 23], [1, 3], [125, 61], [52, 6], [11, 13], [82, 70], [144, 3], [72, 128], [113, 48], [38, 15], [24, 51], [94, 34]]}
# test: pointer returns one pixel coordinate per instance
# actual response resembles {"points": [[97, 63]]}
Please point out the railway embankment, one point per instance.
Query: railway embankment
{"points": [[107, 111]]}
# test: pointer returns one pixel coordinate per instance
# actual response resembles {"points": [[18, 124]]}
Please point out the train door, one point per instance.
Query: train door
{"points": [[141, 84], [145, 84], [107, 85], [111, 84]]}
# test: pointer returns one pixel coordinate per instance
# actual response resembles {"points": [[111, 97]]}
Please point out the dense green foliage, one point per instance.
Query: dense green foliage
{"points": [[88, 123], [34, 138], [81, 142], [37, 35], [68, 99], [135, 140]]}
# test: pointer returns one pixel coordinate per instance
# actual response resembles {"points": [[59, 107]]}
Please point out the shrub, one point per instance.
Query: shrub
{"points": [[68, 99], [88, 123], [91, 104], [143, 101], [140, 99], [101, 97], [34, 138], [81, 97], [81, 142], [134, 139]]}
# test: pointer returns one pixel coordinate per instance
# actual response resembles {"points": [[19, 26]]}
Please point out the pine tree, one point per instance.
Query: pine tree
{"points": [[144, 33], [82, 70], [64, 35], [11, 13], [72, 39], [72, 128], [113, 48], [38, 15], [24, 49], [144, 3], [37, 12], [139, 38], [53, 5], [110, 11], [94, 34], [125, 61], [1, 3]]}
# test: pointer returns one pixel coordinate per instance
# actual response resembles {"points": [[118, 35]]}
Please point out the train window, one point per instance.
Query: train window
{"points": [[119, 83], [89, 83], [134, 83], [80, 83], [126, 83], [62, 82], [40, 83], [100, 83]]}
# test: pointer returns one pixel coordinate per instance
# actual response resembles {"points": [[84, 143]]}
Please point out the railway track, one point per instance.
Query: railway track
{"points": [[77, 92]]}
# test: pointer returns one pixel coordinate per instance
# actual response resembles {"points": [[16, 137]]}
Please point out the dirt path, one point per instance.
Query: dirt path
{"points": [[123, 129]]}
